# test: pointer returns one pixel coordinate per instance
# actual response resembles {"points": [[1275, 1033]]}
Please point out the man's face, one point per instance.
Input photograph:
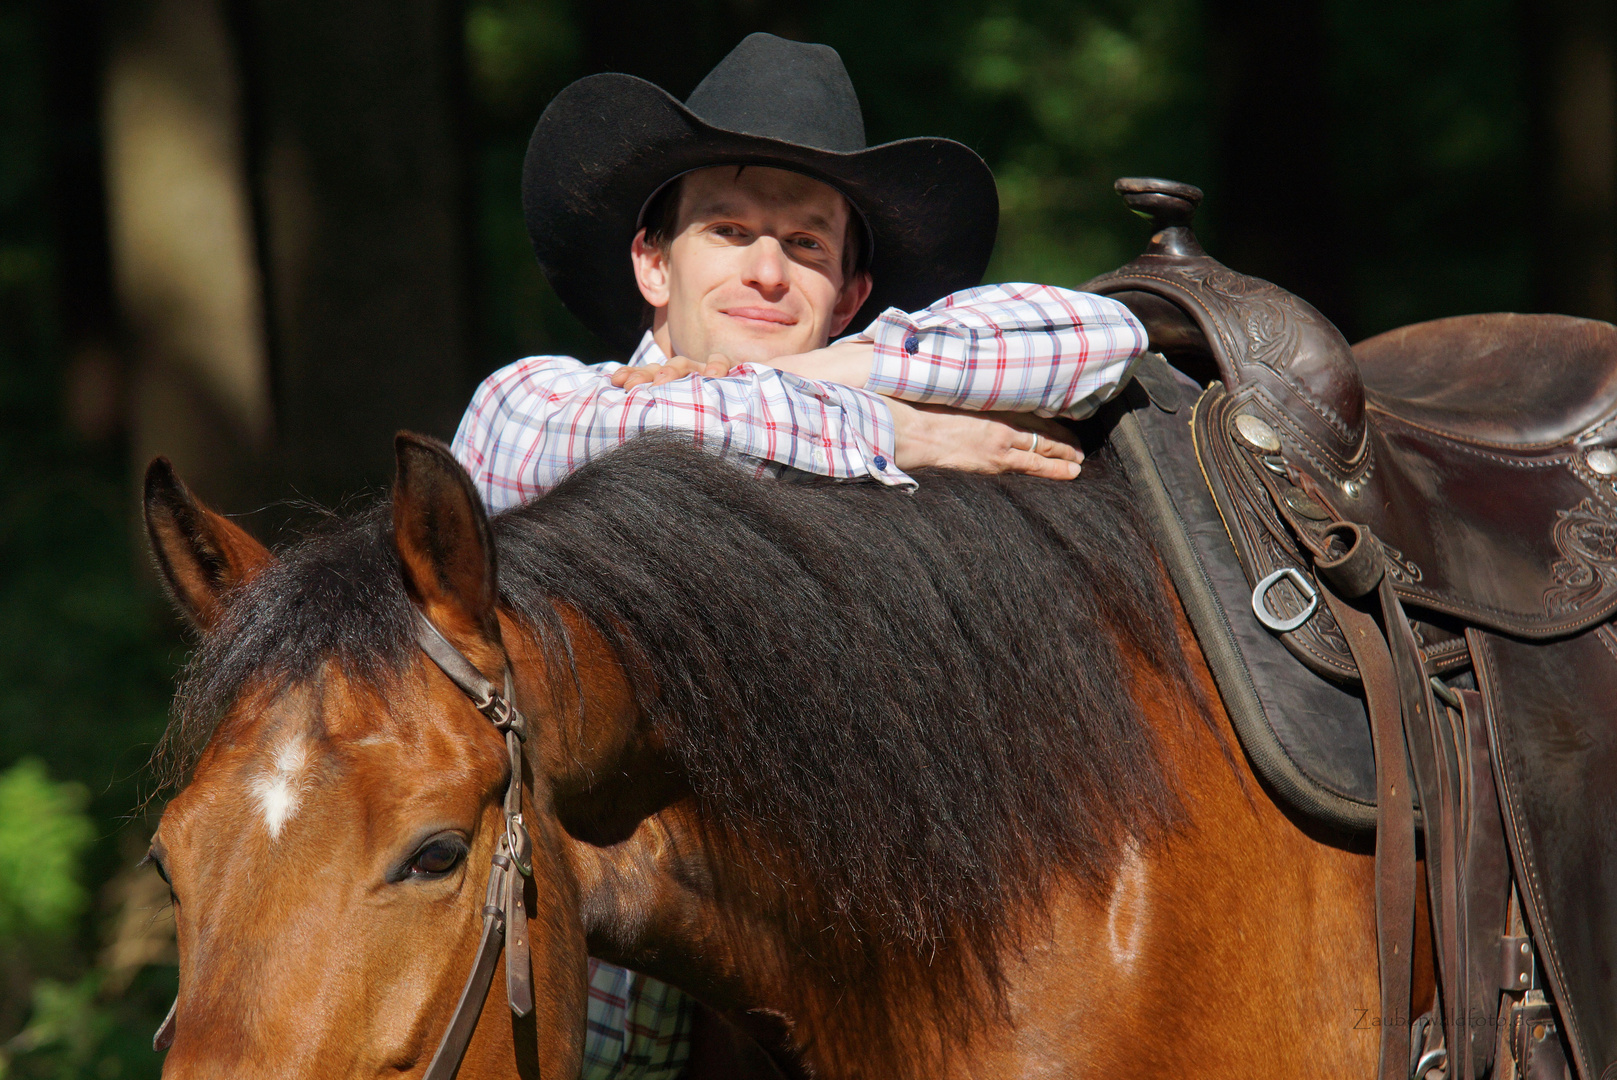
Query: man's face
{"points": [[754, 267]]}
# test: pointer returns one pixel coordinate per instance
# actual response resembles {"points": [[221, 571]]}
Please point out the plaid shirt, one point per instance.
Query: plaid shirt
{"points": [[1017, 348], [636, 1027]]}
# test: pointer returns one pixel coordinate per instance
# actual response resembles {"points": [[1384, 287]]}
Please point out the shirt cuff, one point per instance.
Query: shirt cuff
{"points": [[869, 436], [894, 367]]}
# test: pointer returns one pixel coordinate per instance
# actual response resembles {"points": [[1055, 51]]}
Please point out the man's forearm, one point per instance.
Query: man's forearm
{"points": [[1012, 348], [847, 363], [534, 422]]}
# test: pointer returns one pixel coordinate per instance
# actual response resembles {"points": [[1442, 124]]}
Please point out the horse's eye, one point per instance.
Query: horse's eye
{"points": [[157, 864], [438, 856]]}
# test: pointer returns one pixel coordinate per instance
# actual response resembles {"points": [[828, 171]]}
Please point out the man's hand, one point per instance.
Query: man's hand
{"points": [[981, 442], [717, 367]]}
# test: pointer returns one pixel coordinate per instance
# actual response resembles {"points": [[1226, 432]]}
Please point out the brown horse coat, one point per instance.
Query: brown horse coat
{"points": [[921, 786]]}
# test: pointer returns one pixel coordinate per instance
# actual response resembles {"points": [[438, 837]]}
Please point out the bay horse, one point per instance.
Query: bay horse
{"points": [[904, 785]]}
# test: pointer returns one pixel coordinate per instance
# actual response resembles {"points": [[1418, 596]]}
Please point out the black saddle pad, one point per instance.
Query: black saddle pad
{"points": [[1307, 738]]}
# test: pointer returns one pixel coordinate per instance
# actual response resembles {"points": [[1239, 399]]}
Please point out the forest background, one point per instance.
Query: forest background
{"points": [[261, 235]]}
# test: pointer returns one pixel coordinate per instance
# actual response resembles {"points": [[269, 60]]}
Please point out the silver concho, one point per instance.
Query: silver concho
{"points": [[1256, 434], [1603, 462]]}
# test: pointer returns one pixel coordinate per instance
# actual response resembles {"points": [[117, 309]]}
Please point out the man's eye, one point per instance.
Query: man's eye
{"points": [[808, 242], [438, 857]]}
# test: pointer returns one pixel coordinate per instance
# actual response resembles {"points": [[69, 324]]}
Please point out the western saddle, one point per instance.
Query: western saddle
{"points": [[1400, 559]]}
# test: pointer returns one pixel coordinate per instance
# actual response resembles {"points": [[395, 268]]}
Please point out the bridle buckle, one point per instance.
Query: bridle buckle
{"points": [[504, 715]]}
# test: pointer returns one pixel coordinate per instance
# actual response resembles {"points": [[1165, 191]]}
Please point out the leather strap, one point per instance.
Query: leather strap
{"points": [[463, 673], [1348, 557], [1395, 832], [1352, 562], [505, 916], [1434, 757], [446, 1061]]}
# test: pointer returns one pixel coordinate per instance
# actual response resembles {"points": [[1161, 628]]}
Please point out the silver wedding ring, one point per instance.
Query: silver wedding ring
{"points": [[1034, 449]]}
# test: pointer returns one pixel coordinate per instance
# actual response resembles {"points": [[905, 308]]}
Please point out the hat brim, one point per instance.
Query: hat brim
{"points": [[607, 143]]}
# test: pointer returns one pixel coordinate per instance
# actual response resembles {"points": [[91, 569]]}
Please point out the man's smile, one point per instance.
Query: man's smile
{"points": [[759, 315]]}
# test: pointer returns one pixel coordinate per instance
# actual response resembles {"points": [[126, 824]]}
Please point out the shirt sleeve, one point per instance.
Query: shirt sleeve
{"points": [[535, 421], [1017, 348]]}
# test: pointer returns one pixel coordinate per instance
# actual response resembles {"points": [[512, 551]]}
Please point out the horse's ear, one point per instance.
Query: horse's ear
{"points": [[443, 539], [201, 555]]}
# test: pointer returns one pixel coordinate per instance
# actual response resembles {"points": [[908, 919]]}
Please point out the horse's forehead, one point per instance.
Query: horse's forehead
{"points": [[279, 757]]}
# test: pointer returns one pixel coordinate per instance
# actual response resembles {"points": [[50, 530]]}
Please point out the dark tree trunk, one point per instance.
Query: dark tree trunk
{"points": [[1572, 50], [359, 162], [95, 373], [1275, 207]]}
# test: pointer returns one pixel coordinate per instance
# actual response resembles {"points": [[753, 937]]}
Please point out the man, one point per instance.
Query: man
{"points": [[723, 244]]}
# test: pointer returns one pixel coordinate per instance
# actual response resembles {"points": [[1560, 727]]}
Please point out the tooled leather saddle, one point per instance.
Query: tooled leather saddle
{"points": [[1400, 559]]}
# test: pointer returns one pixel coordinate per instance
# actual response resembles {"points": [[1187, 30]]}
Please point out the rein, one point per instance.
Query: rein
{"points": [[504, 913]]}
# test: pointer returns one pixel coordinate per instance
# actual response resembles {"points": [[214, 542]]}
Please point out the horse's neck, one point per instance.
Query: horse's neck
{"points": [[657, 903], [1231, 900], [650, 893]]}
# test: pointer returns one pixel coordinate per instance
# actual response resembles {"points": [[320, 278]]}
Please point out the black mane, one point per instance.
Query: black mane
{"points": [[922, 701]]}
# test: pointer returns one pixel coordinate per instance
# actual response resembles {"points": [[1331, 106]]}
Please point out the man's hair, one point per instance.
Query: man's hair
{"points": [[662, 219]]}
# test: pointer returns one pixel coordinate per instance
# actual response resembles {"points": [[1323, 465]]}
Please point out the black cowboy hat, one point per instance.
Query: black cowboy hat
{"points": [[608, 143]]}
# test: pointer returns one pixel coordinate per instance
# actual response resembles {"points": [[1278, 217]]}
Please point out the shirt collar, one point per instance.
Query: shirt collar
{"points": [[647, 352]]}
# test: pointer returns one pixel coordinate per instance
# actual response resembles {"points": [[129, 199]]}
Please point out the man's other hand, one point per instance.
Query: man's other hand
{"points": [[981, 442], [716, 367]]}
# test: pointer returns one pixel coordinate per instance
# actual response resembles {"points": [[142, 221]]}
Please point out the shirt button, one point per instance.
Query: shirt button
{"points": [[912, 343], [881, 462]]}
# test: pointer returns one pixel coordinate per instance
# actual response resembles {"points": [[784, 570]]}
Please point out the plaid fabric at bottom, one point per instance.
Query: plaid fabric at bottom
{"points": [[638, 1029]]}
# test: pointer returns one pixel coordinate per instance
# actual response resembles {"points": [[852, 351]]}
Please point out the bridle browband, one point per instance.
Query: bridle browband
{"points": [[504, 913]]}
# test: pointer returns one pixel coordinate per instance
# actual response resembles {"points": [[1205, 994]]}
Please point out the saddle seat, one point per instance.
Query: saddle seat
{"points": [[1521, 381]]}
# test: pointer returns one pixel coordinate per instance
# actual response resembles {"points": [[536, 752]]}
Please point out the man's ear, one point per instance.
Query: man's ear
{"points": [[442, 536], [855, 291], [650, 270], [200, 554]]}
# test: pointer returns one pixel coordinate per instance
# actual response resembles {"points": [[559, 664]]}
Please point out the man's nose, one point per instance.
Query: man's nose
{"points": [[766, 268]]}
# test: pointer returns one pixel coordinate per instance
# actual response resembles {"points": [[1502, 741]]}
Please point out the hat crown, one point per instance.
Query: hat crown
{"points": [[785, 90]]}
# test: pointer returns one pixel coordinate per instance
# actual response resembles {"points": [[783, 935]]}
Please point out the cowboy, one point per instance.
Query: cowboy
{"points": [[724, 244]]}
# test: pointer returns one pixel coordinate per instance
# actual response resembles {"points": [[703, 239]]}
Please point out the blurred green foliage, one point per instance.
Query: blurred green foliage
{"points": [[43, 833], [73, 1028], [1059, 98]]}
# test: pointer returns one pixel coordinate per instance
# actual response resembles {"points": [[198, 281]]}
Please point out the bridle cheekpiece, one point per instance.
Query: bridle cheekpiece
{"points": [[504, 911]]}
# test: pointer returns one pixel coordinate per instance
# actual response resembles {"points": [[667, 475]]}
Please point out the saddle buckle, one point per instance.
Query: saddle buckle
{"points": [[1260, 600]]}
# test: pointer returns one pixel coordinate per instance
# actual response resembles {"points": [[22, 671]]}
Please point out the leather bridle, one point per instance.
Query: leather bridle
{"points": [[504, 912], [505, 915]]}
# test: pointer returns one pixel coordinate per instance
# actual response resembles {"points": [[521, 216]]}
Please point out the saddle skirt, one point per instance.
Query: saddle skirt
{"points": [[1481, 454]]}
